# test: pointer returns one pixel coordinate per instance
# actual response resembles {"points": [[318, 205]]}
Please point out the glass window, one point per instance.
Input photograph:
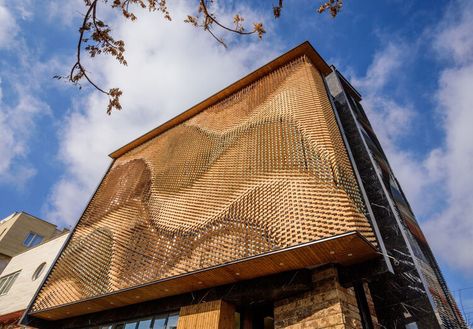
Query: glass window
{"points": [[28, 239], [160, 322], [7, 281], [172, 321], [39, 271], [33, 239], [145, 324]]}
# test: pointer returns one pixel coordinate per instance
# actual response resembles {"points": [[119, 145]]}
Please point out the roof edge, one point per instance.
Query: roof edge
{"points": [[304, 48], [354, 234], [348, 85]]}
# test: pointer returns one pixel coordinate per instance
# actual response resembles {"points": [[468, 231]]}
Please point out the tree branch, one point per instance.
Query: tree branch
{"points": [[212, 18], [96, 39]]}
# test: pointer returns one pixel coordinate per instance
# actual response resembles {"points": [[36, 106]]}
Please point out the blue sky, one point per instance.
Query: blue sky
{"points": [[411, 60]]}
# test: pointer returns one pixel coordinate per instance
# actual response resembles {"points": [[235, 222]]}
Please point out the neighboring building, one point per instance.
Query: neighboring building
{"points": [[21, 231], [269, 205], [22, 277]]}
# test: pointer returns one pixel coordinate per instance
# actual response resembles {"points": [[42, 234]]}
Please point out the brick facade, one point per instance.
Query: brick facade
{"points": [[327, 305]]}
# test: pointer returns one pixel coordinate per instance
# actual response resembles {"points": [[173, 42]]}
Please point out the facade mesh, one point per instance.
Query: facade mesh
{"points": [[264, 169]]}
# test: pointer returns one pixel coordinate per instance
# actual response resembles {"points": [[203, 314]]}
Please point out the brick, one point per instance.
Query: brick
{"points": [[327, 306]]}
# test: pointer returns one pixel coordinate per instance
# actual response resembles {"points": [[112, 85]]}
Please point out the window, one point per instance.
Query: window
{"points": [[6, 282], [172, 321], [39, 271], [33, 239], [145, 324], [162, 321]]}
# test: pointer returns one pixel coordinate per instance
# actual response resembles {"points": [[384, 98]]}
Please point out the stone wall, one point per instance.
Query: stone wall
{"points": [[327, 305]]}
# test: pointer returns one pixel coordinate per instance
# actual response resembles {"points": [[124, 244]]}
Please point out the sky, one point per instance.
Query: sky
{"points": [[411, 60]]}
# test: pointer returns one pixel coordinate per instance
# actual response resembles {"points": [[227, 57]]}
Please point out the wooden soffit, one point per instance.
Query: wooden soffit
{"points": [[301, 50], [344, 249]]}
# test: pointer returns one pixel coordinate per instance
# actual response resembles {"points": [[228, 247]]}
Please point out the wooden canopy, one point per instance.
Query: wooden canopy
{"points": [[344, 249]]}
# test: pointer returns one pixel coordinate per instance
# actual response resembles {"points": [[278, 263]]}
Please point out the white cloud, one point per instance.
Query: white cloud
{"points": [[451, 231], [67, 200], [384, 66], [16, 125], [392, 119], [453, 38], [8, 26], [23, 78], [24, 9], [171, 66], [443, 176], [65, 16]]}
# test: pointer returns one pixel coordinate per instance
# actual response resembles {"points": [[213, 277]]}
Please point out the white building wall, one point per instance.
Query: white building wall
{"points": [[24, 287]]}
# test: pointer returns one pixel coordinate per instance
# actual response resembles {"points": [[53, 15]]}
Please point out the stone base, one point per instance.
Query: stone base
{"points": [[328, 305]]}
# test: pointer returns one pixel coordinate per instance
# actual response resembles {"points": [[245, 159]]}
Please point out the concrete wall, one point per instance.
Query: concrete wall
{"points": [[4, 260], [14, 231], [24, 287]]}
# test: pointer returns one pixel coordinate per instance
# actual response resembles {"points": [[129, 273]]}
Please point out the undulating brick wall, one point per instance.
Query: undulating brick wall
{"points": [[327, 305]]}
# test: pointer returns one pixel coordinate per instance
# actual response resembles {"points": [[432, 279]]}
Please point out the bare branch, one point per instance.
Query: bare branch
{"points": [[103, 42], [277, 9], [333, 6], [212, 18], [95, 35]]}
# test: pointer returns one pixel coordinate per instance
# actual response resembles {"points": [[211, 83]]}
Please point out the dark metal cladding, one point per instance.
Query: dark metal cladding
{"points": [[416, 291]]}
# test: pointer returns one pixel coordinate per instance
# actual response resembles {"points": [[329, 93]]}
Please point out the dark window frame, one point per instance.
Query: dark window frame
{"points": [[136, 321], [31, 239], [7, 281]]}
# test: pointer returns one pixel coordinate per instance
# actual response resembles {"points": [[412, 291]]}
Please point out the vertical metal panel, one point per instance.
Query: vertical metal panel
{"points": [[417, 265], [335, 89]]}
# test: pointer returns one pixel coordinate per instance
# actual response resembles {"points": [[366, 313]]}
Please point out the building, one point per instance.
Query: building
{"points": [[21, 231], [23, 276], [268, 205]]}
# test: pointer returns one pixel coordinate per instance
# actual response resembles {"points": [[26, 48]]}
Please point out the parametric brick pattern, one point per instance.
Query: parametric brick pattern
{"points": [[264, 169]]}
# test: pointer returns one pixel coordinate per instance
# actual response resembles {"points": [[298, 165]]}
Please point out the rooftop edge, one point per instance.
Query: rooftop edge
{"points": [[304, 48]]}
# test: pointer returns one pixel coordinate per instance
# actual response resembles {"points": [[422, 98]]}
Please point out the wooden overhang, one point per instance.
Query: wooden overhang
{"points": [[303, 49], [344, 249]]}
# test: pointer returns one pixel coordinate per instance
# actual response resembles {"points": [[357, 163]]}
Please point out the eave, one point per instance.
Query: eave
{"points": [[344, 249]]}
